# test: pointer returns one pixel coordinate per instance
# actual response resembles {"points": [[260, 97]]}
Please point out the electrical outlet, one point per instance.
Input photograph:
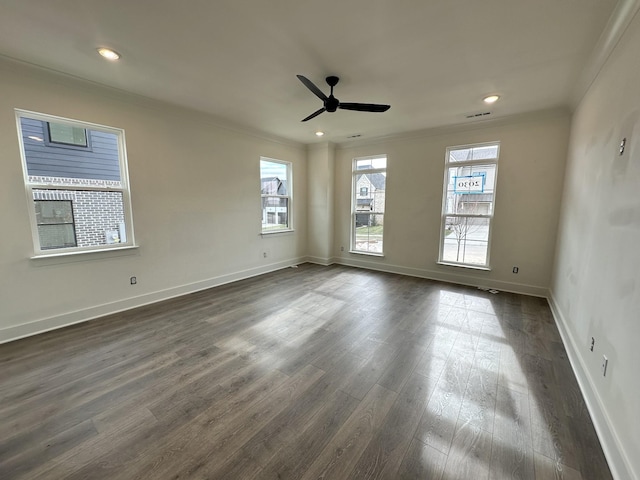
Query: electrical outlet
{"points": [[515, 269], [593, 343], [605, 364], [133, 280], [264, 254], [342, 249]]}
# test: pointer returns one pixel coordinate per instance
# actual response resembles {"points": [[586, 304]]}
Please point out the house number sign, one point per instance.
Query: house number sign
{"points": [[469, 184]]}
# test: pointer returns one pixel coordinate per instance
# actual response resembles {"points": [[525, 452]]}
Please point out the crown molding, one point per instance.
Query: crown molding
{"points": [[619, 21], [142, 101]]}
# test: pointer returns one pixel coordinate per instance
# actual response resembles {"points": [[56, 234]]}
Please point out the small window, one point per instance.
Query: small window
{"points": [[467, 206], [79, 196], [368, 198], [275, 190], [67, 134]]}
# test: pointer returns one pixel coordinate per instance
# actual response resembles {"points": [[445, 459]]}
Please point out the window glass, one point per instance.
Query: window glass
{"points": [[468, 204], [55, 224], [472, 153], [275, 189], [80, 196], [369, 189], [468, 187], [67, 134], [466, 240]]}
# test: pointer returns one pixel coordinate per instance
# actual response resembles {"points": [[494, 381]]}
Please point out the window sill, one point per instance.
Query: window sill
{"points": [[464, 265], [275, 232], [370, 254], [80, 255]]}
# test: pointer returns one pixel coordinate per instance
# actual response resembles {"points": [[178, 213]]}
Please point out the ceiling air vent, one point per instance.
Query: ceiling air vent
{"points": [[355, 135], [478, 115]]}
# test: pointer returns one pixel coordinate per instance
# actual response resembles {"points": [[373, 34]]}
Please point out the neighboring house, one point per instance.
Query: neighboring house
{"points": [[370, 196], [274, 208], [62, 155]]}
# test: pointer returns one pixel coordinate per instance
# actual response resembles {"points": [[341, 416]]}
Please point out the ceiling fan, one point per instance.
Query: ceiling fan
{"points": [[331, 103]]}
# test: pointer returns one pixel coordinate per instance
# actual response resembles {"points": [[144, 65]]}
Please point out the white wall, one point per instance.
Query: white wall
{"points": [[321, 161], [596, 281], [195, 197], [530, 175]]}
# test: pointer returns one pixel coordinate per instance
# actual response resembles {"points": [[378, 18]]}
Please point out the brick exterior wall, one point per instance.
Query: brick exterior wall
{"points": [[94, 213], [376, 196]]}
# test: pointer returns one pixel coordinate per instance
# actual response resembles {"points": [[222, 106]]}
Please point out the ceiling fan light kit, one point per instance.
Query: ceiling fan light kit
{"points": [[331, 103]]}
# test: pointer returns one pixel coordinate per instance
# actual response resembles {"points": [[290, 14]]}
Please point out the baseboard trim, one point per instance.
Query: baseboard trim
{"points": [[448, 277], [320, 260], [16, 332], [613, 449]]}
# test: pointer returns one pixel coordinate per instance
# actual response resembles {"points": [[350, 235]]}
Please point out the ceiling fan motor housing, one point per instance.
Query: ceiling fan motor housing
{"points": [[331, 103]]}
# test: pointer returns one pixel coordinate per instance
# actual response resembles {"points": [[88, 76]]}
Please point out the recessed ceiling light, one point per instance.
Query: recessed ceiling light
{"points": [[108, 53], [319, 134], [491, 98]]}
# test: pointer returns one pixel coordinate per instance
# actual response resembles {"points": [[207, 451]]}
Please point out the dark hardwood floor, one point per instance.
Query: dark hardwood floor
{"points": [[305, 373]]}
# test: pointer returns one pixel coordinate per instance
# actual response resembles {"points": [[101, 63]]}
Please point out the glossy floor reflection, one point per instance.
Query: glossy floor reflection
{"points": [[313, 372]]}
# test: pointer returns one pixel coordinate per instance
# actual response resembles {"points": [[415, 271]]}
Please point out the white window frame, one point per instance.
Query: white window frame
{"points": [[289, 196], [124, 189], [470, 163], [355, 192]]}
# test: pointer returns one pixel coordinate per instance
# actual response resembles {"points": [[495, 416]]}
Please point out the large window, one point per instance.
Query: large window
{"points": [[367, 216], [275, 189], [467, 205], [79, 196]]}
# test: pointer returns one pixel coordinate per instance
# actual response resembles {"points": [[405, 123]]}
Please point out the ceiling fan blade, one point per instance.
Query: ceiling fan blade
{"points": [[364, 107], [314, 114], [310, 85]]}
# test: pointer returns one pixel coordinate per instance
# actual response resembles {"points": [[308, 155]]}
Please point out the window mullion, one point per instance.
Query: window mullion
{"points": [[78, 188], [470, 215], [471, 163]]}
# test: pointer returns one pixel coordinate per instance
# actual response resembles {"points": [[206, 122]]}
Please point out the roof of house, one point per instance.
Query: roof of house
{"points": [[378, 180], [273, 186]]}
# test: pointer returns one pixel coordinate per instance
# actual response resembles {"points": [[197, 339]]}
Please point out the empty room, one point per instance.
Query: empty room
{"points": [[290, 240]]}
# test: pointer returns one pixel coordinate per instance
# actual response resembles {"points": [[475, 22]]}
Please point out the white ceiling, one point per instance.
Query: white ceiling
{"points": [[432, 60]]}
